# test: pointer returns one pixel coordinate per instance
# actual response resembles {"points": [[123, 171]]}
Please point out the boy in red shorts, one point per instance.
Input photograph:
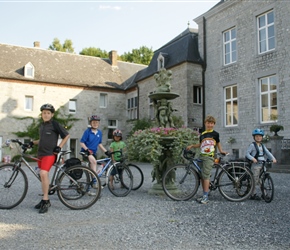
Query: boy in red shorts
{"points": [[49, 132]]}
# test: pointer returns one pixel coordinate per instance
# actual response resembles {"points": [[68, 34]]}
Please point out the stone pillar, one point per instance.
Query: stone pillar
{"points": [[276, 144]]}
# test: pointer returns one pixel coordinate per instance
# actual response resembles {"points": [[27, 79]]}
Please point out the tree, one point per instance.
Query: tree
{"points": [[94, 52], [143, 55], [66, 47]]}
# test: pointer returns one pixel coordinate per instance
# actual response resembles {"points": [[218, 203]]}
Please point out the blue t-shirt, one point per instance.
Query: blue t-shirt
{"points": [[92, 140]]}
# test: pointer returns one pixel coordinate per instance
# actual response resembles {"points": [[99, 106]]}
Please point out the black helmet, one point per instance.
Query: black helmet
{"points": [[47, 106], [117, 132], [95, 118], [258, 131]]}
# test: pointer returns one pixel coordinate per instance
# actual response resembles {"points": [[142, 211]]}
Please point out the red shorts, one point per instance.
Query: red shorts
{"points": [[46, 162]]}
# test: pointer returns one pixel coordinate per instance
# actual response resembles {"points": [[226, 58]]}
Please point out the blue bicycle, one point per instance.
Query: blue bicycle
{"points": [[234, 181], [122, 175]]}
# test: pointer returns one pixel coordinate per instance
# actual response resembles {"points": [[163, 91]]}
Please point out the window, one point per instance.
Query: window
{"points": [[231, 106], [161, 61], [197, 95], [230, 46], [72, 106], [132, 104], [112, 125], [103, 100], [151, 108], [266, 32], [268, 102], [28, 103], [29, 70]]}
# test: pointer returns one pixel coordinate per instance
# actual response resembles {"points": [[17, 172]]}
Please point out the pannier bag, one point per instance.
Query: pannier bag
{"points": [[77, 173]]}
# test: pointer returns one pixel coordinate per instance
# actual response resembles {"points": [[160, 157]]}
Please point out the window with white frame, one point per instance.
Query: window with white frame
{"points": [[132, 104], [28, 106], [103, 100], [230, 46], [231, 105], [268, 98], [112, 125], [160, 61], [151, 108], [29, 70], [266, 32], [72, 106], [197, 94]]}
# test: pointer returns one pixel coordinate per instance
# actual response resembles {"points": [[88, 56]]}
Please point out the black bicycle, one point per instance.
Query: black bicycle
{"points": [[72, 184], [266, 182], [234, 181]]}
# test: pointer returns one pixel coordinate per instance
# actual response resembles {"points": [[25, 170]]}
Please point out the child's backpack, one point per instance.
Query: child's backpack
{"points": [[257, 152]]}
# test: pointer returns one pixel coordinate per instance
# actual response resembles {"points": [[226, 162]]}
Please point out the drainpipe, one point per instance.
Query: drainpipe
{"points": [[138, 92], [203, 71]]}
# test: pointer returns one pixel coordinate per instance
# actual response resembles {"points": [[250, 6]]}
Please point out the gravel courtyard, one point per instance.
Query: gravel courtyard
{"points": [[146, 221]]}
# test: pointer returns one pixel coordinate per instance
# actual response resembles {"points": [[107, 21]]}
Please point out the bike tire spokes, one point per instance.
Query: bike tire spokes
{"points": [[13, 186], [79, 187], [236, 183]]}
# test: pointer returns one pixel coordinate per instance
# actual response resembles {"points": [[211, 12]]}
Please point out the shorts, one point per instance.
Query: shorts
{"points": [[207, 165], [46, 162]]}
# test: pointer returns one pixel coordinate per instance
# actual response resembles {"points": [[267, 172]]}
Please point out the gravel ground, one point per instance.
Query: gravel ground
{"points": [[146, 221]]}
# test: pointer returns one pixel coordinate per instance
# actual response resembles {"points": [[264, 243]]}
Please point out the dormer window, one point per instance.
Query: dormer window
{"points": [[29, 70], [160, 61]]}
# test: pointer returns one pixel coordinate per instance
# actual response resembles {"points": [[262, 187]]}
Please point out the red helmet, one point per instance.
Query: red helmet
{"points": [[117, 132], [95, 118]]}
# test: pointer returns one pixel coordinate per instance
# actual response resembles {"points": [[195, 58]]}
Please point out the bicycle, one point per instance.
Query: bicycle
{"points": [[234, 182], [72, 184], [266, 181], [123, 178]]}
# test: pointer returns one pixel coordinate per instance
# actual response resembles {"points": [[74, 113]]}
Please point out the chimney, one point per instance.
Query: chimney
{"points": [[36, 44], [113, 57]]}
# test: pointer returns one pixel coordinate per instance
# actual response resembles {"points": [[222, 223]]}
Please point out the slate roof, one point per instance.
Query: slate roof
{"points": [[64, 68], [183, 48]]}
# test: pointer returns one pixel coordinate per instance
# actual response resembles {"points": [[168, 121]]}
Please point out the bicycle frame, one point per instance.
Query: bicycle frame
{"points": [[58, 167]]}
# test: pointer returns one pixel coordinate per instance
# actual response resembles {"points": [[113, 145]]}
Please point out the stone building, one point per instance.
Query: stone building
{"points": [[83, 85], [235, 67], [245, 47]]}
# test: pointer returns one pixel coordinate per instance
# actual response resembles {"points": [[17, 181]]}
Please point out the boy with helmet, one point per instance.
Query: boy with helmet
{"points": [[49, 132], [90, 141], [116, 145], [255, 153]]}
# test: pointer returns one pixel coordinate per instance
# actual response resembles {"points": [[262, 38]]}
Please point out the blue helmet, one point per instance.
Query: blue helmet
{"points": [[258, 131]]}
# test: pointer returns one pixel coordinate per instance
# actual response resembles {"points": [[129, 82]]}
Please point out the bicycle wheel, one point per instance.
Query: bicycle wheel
{"points": [[79, 187], [122, 180], [236, 183], [13, 186], [267, 188], [180, 182], [138, 177]]}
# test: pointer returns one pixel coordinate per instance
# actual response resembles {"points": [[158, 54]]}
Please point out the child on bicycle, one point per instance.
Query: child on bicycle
{"points": [[90, 142], [209, 139], [49, 132], [255, 153], [116, 145]]}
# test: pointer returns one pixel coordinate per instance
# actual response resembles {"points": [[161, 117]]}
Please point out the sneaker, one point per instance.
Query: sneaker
{"points": [[255, 197], [38, 206], [44, 207], [204, 200], [199, 199], [91, 193]]}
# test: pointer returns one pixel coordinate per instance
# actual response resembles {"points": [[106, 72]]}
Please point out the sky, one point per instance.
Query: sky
{"points": [[108, 25]]}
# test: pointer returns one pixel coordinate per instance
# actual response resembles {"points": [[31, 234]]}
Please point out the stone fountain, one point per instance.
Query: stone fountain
{"points": [[163, 115]]}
